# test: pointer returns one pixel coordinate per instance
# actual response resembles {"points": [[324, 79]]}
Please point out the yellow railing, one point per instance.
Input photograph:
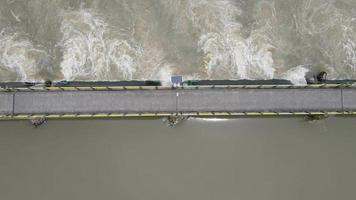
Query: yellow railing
{"points": [[118, 88], [163, 114]]}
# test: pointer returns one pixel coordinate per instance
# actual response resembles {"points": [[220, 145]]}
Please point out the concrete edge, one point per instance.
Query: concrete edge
{"points": [[118, 88], [188, 114]]}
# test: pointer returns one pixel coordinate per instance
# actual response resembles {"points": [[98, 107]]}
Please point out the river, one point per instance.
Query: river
{"points": [[153, 39], [271, 159]]}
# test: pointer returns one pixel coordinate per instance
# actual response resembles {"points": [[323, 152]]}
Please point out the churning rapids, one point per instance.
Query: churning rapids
{"points": [[153, 39]]}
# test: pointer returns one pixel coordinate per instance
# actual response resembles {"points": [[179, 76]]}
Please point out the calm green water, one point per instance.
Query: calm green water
{"points": [[270, 159]]}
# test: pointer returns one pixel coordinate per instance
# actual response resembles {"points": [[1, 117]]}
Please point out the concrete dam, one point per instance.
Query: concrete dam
{"points": [[158, 101]]}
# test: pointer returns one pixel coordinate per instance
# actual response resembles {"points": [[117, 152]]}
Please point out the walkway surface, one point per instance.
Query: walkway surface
{"points": [[235, 100]]}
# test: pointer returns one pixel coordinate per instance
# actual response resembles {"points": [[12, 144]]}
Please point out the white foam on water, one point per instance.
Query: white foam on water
{"points": [[227, 53], [92, 52], [349, 47], [19, 56], [296, 75], [278, 35], [88, 53], [122, 56], [83, 45], [329, 30], [164, 74], [207, 39], [192, 77]]}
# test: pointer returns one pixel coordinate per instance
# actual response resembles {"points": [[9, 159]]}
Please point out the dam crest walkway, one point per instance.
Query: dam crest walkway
{"points": [[150, 101]]}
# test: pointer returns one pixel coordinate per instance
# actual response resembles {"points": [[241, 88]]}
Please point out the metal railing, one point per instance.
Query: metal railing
{"points": [[118, 88], [165, 114], [158, 115]]}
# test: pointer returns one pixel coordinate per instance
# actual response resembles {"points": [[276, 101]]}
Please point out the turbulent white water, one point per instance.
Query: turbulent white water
{"points": [[153, 39]]}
